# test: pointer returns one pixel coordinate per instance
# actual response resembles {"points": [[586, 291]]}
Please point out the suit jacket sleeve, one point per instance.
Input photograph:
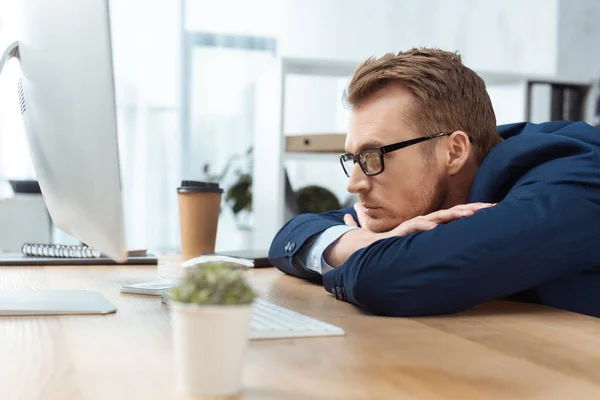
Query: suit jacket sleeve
{"points": [[537, 234], [299, 232]]}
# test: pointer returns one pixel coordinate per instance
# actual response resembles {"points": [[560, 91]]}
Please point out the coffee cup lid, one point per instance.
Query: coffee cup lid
{"points": [[199, 187]]}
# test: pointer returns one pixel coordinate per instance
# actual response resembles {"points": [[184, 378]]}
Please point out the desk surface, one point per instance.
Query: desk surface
{"points": [[500, 350]]}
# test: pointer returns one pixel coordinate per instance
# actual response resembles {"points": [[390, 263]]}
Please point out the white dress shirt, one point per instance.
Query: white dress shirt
{"points": [[311, 255]]}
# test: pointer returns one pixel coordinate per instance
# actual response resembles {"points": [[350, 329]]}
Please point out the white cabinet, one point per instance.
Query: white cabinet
{"points": [[268, 190]]}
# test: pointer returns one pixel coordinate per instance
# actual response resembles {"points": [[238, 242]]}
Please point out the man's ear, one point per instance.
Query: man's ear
{"points": [[459, 151]]}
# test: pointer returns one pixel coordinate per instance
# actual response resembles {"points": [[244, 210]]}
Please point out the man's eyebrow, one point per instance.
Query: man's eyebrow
{"points": [[367, 145]]}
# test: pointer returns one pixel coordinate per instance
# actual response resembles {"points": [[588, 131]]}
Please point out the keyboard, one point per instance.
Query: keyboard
{"points": [[270, 321]]}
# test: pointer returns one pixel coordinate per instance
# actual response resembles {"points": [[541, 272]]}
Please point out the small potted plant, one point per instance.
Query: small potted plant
{"points": [[210, 313]]}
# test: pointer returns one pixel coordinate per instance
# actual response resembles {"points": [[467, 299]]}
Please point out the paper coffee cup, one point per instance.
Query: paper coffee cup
{"points": [[199, 207]]}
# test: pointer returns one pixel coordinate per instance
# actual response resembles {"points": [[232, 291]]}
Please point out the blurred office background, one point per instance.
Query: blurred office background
{"points": [[200, 83]]}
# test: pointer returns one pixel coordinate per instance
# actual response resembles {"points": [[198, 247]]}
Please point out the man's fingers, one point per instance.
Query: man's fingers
{"points": [[360, 214], [463, 210], [348, 220], [443, 216], [414, 225], [430, 221], [473, 206], [419, 225]]}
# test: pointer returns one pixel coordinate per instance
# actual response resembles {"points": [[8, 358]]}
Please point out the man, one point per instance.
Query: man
{"points": [[453, 211]]}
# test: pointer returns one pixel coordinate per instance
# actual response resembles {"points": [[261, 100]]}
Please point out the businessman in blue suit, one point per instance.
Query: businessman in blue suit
{"points": [[453, 211]]}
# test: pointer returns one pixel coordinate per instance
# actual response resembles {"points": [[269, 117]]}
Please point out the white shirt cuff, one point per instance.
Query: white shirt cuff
{"points": [[315, 260]]}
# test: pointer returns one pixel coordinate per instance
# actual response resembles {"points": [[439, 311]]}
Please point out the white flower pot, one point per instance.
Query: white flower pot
{"points": [[208, 345]]}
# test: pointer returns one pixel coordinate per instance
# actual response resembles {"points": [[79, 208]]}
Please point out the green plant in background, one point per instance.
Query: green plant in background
{"points": [[316, 199], [214, 283], [239, 195], [309, 199]]}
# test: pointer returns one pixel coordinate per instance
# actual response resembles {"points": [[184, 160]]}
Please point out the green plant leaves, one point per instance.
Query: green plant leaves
{"points": [[215, 283], [239, 195]]}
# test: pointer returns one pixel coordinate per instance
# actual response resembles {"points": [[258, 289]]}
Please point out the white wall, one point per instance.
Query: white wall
{"points": [[508, 35], [311, 105], [256, 17], [577, 44], [146, 54], [508, 102]]}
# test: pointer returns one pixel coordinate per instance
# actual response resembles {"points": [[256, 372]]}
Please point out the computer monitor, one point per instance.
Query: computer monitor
{"points": [[67, 100]]}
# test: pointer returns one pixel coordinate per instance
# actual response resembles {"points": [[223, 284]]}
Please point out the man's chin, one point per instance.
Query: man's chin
{"points": [[379, 225]]}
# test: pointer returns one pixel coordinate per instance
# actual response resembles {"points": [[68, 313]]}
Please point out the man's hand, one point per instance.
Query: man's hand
{"points": [[422, 222], [430, 221], [340, 251], [360, 213]]}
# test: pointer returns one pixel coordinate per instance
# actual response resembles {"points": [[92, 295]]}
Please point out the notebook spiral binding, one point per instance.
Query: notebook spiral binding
{"points": [[59, 251]]}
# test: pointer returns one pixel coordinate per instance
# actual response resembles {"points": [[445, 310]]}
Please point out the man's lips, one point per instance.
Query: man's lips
{"points": [[371, 209], [369, 206]]}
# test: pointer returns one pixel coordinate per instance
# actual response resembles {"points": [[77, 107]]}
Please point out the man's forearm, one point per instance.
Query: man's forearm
{"points": [[341, 250], [297, 233], [356, 239]]}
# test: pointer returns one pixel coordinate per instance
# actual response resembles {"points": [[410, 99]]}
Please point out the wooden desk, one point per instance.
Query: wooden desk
{"points": [[501, 350]]}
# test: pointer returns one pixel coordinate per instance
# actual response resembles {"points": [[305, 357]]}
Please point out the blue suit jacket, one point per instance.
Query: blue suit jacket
{"points": [[540, 243]]}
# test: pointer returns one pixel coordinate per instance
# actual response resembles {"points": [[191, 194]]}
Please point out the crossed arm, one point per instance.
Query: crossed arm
{"points": [[535, 235], [342, 249]]}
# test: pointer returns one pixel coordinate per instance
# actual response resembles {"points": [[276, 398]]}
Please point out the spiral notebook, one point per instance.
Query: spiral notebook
{"points": [[56, 254], [69, 251]]}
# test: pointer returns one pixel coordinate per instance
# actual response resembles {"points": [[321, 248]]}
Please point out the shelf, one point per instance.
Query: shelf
{"points": [[506, 78], [322, 67], [311, 156], [323, 143]]}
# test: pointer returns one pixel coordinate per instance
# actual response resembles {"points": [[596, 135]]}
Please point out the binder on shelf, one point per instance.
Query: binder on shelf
{"points": [[325, 143]]}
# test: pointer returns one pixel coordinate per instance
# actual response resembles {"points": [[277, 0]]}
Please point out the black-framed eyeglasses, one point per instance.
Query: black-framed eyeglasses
{"points": [[371, 160]]}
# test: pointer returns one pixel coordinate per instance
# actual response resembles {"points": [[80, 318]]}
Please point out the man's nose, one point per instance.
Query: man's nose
{"points": [[358, 182]]}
